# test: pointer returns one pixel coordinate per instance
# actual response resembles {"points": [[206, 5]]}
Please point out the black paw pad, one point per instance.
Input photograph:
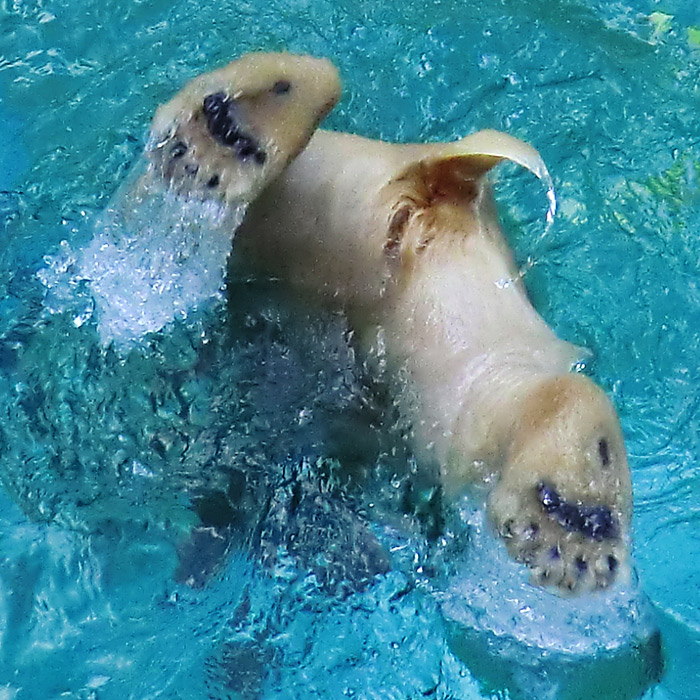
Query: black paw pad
{"points": [[594, 522], [281, 87], [223, 123]]}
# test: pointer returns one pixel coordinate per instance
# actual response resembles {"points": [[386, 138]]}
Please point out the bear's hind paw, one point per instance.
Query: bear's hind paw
{"points": [[572, 547]]}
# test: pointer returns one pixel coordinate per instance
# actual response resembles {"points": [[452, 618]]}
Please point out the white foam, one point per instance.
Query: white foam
{"points": [[490, 592], [154, 257]]}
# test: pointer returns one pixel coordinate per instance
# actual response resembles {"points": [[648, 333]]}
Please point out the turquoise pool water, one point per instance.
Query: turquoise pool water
{"points": [[110, 459]]}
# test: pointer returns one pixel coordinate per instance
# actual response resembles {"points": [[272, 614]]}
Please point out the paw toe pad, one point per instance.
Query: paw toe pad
{"points": [[594, 522]]}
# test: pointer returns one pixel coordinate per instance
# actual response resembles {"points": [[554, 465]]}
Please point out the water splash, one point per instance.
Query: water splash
{"points": [[154, 257], [541, 642]]}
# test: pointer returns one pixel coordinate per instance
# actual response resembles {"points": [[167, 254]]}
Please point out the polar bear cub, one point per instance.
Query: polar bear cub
{"points": [[405, 238]]}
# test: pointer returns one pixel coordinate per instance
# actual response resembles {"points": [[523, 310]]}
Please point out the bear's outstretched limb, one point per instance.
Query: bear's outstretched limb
{"points": [[212, 149], [228, 133]]}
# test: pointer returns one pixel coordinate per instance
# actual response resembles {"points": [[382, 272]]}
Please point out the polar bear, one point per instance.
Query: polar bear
{"points": [[405, 238]]}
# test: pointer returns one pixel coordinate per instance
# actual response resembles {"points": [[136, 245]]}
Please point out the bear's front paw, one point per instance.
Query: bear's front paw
{"points": [[573, 545]]}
